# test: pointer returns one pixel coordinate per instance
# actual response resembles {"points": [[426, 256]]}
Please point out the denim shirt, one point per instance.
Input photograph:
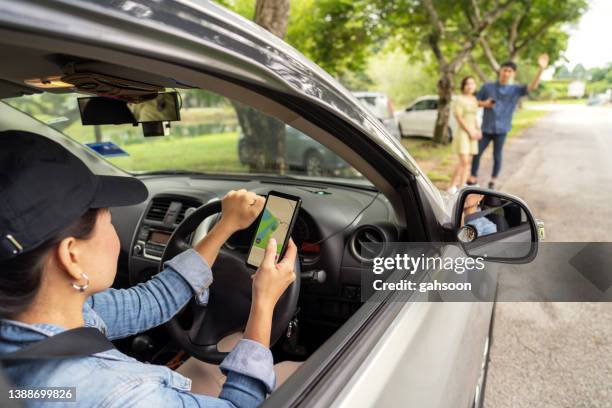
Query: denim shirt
{"points": [[113, 379], [483, 226], [498, 120]]}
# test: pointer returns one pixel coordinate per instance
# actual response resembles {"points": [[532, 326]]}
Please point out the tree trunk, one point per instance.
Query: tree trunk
{"points": [[445, 94], [264, 140], [273, 15], [264, 136]]}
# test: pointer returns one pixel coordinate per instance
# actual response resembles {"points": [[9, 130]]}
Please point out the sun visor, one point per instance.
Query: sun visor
{"points": [[12, 90]]}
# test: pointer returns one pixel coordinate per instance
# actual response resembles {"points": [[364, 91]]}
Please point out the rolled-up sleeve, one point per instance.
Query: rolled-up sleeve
{"points": [[521, 90], [251, 359], [195, 270], [129, 311]]}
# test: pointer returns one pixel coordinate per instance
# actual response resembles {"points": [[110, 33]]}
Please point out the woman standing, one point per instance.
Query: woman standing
{"points": [[465, 143]]}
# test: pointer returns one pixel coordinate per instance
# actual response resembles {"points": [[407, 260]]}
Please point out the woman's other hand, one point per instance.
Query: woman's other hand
{"points": [[271, 279], [240, 208], [269, 283], [475, 134]]}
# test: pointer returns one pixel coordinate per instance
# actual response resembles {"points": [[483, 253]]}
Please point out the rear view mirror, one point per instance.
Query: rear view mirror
{"points": [[109, 111], [495, 225]]}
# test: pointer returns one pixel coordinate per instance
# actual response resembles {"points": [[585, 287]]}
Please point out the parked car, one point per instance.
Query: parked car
{"points": [[302, 153], [381, 107], [354, 351], [419, 118]]}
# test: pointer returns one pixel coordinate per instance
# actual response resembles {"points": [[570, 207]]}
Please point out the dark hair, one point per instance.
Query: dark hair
{"points": [[509, 64], [464, 81], [20, 277]]}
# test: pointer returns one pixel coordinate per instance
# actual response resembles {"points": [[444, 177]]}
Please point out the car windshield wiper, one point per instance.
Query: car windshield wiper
{"points": [[168, 172], [335, 181]]}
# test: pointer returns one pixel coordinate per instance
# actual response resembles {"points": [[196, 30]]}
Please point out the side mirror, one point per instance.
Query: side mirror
{"points": [[497, 226]]}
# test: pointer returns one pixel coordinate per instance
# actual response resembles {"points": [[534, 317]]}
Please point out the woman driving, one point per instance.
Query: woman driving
{"points": [[58, 260]]}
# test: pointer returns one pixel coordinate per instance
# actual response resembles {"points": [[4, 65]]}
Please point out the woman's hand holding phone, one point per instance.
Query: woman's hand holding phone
{"points": [[271, 279], [269, 283]]}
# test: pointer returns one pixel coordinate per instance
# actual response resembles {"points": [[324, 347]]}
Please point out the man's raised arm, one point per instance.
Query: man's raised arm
{"points": [[542, 64]]}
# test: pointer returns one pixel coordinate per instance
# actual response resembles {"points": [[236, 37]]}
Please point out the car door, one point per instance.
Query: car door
{"points": [[413, 353], [429, 115], [430, 356], [411, 120]]}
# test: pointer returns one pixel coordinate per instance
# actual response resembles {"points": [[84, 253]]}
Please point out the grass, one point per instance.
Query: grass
{"points": [[438, 161], [218, 152], [524, 119], [206, 153]]}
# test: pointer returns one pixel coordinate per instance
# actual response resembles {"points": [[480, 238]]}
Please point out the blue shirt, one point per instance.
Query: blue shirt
{"points": [[483, 226], [113, 379], [498, 120]]}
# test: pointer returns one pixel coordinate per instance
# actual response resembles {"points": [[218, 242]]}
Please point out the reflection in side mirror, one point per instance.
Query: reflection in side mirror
{"points": [[163, 107], [495, 225]]}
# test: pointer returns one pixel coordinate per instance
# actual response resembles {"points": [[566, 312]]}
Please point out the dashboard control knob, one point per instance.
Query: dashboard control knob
{"points": [[137, 249]]}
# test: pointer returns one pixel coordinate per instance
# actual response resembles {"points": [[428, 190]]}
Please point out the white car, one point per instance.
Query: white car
{"points": [[419, 118], [379, 105]]}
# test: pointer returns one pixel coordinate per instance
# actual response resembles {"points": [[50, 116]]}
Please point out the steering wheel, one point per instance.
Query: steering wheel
{"points": [[198, 329]]}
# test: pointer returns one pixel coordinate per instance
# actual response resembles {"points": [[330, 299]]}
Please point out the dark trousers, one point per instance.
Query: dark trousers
{"points": [[498, 140]]}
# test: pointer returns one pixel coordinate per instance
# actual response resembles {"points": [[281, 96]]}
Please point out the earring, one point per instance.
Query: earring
{"points": [[81, 288]]}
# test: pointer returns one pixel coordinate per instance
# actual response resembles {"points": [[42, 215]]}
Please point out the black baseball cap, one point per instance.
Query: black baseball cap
{"points": [[44, 188]]}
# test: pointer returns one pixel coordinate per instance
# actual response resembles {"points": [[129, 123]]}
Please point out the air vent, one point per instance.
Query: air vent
{"points": [[367, 243], [168, 209], [186, 205], [158, 209]]}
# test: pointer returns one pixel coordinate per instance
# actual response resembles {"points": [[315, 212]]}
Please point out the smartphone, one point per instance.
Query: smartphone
{"points": [[275, 221]]}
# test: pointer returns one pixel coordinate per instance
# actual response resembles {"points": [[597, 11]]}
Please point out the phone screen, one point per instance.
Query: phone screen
{"points": [[276, 221]]}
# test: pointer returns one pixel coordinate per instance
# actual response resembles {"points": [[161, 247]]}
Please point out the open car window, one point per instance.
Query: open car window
{"points": [[214, 135]]}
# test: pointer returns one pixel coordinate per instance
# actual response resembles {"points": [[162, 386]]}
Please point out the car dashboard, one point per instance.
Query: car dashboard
{"points": [[332, 225]]}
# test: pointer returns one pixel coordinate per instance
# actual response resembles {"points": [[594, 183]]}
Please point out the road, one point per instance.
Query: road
{"points": [[557, 354]]}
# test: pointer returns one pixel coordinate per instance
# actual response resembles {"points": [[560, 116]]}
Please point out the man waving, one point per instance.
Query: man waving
{"points": [[499, 99]]}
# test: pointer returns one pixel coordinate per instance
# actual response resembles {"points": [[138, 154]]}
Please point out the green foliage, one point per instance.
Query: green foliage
{"points": [[598, 79], [246, 8], [551, 90], [403, 79], [409, 26], [601, 74], [530, 28], [336, 34]]}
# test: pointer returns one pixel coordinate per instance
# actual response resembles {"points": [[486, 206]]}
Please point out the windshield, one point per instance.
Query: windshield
{"points": [[214, 135]]}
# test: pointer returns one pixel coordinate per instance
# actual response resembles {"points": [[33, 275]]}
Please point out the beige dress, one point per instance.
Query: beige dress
{"points": [[467, 108]]}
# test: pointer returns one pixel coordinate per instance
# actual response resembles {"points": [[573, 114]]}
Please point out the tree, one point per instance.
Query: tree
{"points": [[529, 28], [579, 72], [562, 72], [264, 136], [450, 30], [338, 35]]}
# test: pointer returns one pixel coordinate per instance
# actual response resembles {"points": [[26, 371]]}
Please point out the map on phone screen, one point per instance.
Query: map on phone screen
{"points": [[274, 223]]}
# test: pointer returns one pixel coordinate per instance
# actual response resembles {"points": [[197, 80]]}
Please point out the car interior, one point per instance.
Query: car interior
{"points": [[193, 160]]}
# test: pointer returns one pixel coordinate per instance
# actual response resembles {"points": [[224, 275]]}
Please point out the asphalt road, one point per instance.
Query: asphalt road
{"points": [[557, 354]]}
